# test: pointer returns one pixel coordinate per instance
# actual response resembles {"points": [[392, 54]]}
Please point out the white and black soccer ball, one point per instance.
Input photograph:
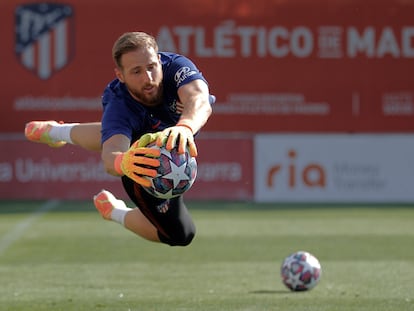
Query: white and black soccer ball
{"points": [[300, 271], [175, 175]]}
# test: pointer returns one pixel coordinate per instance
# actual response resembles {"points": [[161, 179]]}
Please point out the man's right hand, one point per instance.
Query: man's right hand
{"points": [[138, 162]]}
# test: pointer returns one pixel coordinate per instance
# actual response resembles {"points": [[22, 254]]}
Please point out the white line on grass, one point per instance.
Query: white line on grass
{"points": [[18, 230]]}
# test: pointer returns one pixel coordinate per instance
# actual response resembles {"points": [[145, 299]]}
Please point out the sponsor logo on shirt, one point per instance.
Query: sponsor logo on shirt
{"points": [[182, 74]]}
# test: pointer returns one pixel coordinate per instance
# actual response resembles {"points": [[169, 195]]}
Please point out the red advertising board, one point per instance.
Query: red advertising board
{"points": [[35, 171], [225, 169], [275, 66]]}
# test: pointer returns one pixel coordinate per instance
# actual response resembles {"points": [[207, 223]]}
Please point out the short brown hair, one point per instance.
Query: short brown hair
{"points": [[131, 41]]}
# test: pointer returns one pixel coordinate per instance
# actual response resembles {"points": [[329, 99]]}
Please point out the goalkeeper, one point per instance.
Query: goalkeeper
{"points": [[156, 96]]}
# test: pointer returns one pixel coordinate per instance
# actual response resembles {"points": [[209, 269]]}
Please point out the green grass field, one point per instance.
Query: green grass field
{"points": [[63, 256]]}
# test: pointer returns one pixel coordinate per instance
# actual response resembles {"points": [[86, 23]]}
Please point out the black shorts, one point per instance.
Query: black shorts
{"points": [[171, 217]]}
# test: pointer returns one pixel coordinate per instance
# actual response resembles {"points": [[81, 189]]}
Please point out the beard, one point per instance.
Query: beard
{"points": [[147, 99]]}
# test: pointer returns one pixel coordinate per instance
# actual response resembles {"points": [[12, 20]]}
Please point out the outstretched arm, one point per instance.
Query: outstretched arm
{"points": [[194, 97], [197, 109]]}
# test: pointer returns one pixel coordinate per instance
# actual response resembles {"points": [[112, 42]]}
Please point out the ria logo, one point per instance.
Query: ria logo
{"points": [[311, 175], [44, 37]]}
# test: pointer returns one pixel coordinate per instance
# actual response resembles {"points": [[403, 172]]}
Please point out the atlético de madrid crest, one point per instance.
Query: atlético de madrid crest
{"points": [[44, 37]]}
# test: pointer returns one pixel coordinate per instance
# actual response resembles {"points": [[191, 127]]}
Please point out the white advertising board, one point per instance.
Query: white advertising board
{"points": [[334, 168]]}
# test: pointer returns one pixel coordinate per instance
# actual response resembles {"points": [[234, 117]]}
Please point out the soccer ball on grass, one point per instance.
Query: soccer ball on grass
{"points": [[300, 271], [175, 175]]}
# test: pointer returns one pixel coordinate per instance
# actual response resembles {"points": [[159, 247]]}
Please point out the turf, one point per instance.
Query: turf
{"points": [[68, 258]]}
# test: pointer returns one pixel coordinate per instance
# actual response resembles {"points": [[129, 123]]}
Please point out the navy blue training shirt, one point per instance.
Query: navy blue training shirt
{"points": [[122, 114]]}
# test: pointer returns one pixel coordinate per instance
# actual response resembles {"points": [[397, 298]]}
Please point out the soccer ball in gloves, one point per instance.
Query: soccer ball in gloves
{"points": [[175, 175], [300, 271]]}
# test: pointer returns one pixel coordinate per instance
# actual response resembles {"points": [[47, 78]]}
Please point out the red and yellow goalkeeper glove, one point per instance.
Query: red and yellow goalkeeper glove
{"points": [[138, 162], [181, 134]]}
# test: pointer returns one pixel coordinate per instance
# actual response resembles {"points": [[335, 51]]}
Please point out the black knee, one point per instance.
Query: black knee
{"points": [[183, 239]]}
